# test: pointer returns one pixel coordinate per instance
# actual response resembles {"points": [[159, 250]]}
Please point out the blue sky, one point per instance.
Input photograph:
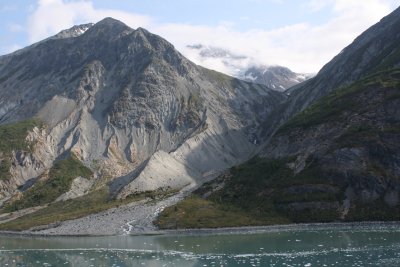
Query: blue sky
{"points": [[302, 35]]}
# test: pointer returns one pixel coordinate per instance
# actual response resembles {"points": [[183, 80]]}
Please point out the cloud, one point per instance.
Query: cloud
{"points": [[52, 16], [317, 5], [303, 47]]}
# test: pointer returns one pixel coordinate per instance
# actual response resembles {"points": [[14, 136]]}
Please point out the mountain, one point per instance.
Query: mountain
{"points": [[107, 110], [333, 156], [75, 31], [275, 77], [376, 49], [105, 126]]}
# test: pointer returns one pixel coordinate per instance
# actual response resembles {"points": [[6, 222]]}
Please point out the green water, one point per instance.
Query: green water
{"points": [[365, 245]]}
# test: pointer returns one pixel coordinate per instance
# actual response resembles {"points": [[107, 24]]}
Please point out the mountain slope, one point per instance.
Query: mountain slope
{"points": [[378, 48], [337, 160], [374, 50], [350, 140], [128, 106]]}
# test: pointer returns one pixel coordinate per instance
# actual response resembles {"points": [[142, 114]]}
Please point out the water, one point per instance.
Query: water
{"points": [[365, 245]]}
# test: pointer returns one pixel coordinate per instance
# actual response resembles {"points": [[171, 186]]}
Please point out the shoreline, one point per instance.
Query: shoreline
{"points": [[281, 228], [225, 230]]}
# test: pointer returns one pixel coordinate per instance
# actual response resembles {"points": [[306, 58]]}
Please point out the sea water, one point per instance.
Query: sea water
{"points": [[326, 245]]}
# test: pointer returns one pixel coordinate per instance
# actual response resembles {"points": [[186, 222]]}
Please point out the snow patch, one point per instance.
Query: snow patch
{"points": [[250, 77]]}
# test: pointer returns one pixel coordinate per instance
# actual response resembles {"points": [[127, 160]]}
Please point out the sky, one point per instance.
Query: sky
{"points": [[300, 34]]}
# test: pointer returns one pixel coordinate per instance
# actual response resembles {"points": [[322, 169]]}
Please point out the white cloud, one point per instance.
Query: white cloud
{"points": [[316, 5], [52, 16], [302, 47]]}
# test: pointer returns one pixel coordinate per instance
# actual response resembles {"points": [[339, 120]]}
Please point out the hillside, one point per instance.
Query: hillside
{"points": [[339, 160], [124, 110], [103, 127], [378, 48]]}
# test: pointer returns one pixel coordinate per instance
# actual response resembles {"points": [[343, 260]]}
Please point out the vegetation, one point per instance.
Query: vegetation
{"points": [[333, 106], [195, 212], [219, 77], [255, 193], [5, 166], [195, 101], [94, 202], [60, 179], [13, 138], [365, 134], [373, 211]]}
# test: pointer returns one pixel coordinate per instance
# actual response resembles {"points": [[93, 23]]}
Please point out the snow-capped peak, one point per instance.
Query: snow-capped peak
{"points": [[75, 31]]}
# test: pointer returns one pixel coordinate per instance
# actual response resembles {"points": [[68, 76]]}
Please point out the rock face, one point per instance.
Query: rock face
{"points": [[348, 134], [125, 101], [348, 141]]}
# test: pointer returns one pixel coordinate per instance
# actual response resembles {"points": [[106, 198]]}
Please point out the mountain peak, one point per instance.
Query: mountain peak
{"points": [[109, 26], [142, 30], [74, 31], [111, 22]]}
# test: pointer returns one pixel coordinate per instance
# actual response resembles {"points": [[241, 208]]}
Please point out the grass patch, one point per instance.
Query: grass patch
{"points": [[60, 211], [5, 166], [195, 212], [219, 77], [13, 138], [94, 202], [60, 179]]}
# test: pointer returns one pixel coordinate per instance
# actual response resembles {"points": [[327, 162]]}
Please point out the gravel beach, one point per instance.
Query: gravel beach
{"points": [[133, 218]]}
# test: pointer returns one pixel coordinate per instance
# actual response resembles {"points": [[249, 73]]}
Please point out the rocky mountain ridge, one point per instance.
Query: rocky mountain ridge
{"points": [[124, 108], [135, 119], [333, 154]]}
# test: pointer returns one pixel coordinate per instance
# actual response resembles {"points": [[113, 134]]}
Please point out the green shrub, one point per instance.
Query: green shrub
{"points": [[60, 179], [13, 138]]}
